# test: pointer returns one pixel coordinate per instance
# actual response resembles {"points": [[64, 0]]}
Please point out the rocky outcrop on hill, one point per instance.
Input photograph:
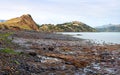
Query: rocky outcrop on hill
{"points": [[25, 22]]}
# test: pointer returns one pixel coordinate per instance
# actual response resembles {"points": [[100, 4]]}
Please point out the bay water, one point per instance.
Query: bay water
{"points": [[97, 37]]}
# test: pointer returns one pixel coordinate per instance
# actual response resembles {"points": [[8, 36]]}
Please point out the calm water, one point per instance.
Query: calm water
{"points": [[98, 37]]}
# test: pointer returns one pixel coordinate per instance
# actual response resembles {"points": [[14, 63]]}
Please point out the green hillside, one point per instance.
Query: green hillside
{"points": [[74, 26]]}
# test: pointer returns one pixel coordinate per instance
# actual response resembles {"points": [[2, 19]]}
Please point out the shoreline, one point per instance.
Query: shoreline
{"points": [[50, 53]]}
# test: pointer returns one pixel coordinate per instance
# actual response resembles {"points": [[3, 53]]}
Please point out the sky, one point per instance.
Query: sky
{"points": [[91, 12]]}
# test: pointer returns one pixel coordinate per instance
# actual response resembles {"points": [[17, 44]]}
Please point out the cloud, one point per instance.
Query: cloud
{"points": [[93, 12], [95, 8]]}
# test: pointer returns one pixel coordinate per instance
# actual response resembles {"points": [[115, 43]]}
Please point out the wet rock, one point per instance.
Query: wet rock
{"points": [[50, 48], [32, 54]]}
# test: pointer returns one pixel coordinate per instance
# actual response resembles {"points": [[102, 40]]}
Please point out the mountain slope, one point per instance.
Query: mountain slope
{"points": [[25, 22], [74, 26], [109, 28]]}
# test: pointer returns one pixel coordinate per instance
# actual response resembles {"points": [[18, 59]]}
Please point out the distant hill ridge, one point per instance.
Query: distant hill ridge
{"points": [[24, 22], [109, 28], [2, 20]]}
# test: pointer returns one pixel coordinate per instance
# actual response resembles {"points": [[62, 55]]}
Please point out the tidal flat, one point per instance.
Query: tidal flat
{"points": [[35, 53]]}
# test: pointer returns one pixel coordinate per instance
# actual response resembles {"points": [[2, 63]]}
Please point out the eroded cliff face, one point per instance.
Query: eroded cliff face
{"points": [[24, 22]]}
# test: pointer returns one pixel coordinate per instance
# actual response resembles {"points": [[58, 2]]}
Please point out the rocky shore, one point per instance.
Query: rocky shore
{"points": [[35, 53]]}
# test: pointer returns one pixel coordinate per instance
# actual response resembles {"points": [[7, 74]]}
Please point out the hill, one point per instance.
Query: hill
{"points": [[74, 26], [109, 28], [25, 22]]}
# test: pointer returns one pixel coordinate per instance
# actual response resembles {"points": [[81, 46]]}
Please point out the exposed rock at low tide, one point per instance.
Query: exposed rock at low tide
{"points": [[36, 55]]}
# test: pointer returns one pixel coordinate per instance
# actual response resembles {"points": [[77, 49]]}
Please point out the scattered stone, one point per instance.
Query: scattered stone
{"points": [[32, 54]]}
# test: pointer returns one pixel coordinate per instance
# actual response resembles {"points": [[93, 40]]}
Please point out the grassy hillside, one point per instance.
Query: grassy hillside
{"points": [[25, 22], [74, 26]]}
